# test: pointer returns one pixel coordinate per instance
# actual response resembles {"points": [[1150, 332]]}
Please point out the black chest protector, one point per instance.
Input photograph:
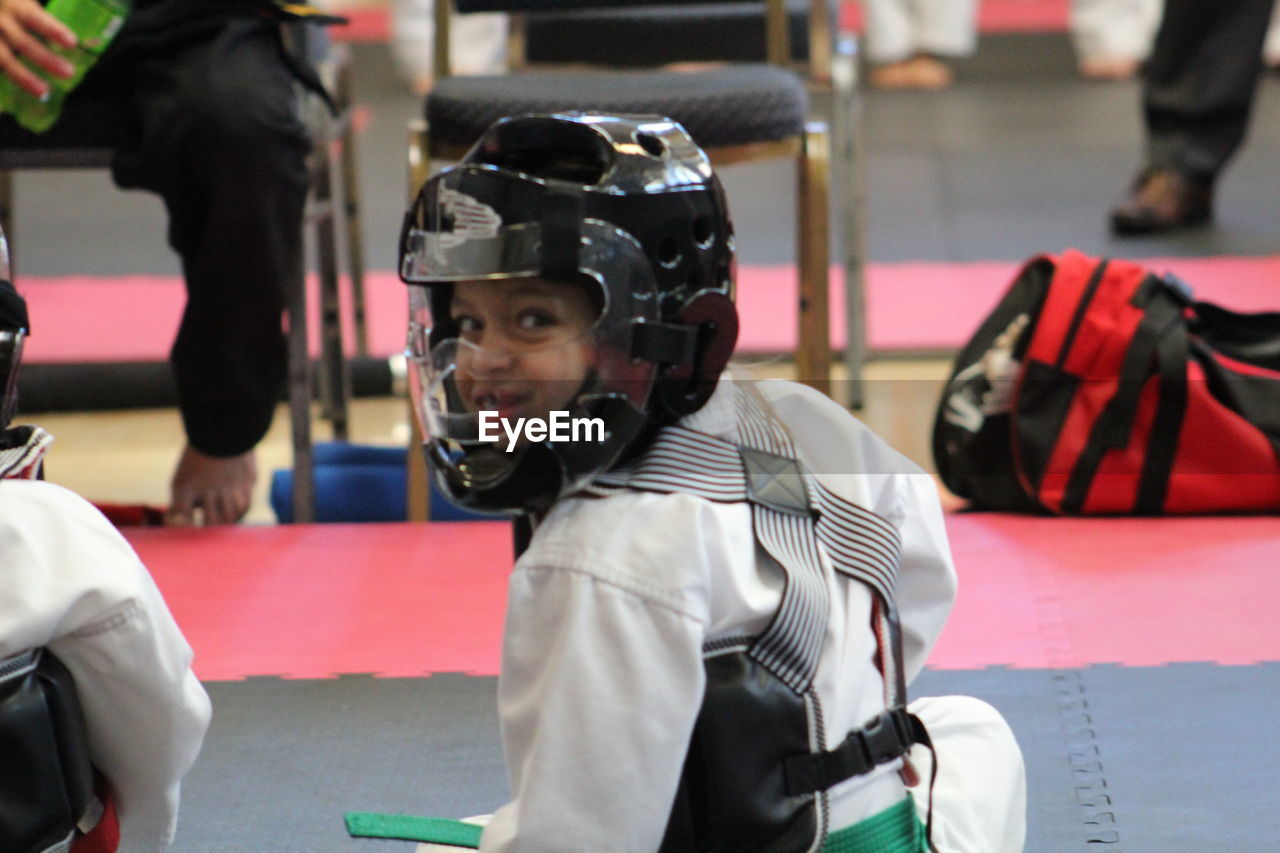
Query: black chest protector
{"points": [[46, 781], [756, 773]]}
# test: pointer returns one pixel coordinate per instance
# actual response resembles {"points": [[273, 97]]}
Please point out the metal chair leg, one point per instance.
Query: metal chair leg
{"points": [[418, 488], [300, 404], [334, 370], [351, 211], [813, 252], [850, 179]]}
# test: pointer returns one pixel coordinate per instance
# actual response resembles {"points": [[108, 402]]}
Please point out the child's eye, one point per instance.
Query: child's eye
{"points": [[531, 321], [467, 324]]}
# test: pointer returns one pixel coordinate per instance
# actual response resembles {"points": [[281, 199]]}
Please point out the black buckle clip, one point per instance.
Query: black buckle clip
{"points": [[885, 738], [882, 740]]}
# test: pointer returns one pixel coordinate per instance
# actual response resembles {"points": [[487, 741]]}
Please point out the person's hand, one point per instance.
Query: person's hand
{"points": [[26, 33], [211, 489]]}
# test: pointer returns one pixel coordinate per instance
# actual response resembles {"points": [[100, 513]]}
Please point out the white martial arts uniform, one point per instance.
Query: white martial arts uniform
{"points": [[1271, 47], [609, 609], [478, 42], [899, 29], [69, 582], [1114, 29]]}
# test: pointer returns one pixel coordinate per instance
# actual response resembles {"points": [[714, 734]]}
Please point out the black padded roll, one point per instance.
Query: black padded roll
{"points": [[95, 386]]}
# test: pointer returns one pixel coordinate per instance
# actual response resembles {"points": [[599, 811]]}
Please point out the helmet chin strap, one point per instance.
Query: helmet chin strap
{"points": [[691, 352]]}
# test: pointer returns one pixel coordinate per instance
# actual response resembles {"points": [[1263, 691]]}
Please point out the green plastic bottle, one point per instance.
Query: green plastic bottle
{"points": [[95, 23]]}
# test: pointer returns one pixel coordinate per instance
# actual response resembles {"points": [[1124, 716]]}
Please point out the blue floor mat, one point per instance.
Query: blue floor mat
{"points": [[1174, 759]]}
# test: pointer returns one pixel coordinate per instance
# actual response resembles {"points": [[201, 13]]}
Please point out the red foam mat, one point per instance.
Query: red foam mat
{"points": [[310, 601], [76, 318], [409, 599], [994, 16], [1058, 592]]}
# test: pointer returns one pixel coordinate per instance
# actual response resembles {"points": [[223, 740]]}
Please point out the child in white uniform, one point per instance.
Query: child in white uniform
{"points": [[705, 616], [72, 587]]}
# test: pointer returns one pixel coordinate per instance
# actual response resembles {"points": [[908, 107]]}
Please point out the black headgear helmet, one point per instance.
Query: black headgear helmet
{"points": [[627, 204]]}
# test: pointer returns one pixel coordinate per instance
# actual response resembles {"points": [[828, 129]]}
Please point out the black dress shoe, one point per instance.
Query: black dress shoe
{"points": [[1163, 200]]}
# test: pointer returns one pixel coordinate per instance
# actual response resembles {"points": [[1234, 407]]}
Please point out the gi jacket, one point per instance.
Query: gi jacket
{"points": [[71, 583], [610, 608]]}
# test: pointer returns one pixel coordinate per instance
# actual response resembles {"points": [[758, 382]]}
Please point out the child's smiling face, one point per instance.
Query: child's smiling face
{"points": [[524, 345]]}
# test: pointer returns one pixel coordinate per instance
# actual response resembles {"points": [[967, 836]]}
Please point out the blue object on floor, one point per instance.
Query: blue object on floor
{"points": [[357, 482]]}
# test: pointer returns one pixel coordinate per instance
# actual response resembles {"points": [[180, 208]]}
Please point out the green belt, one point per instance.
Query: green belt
{"points": [[897, 829], [409, 828]]}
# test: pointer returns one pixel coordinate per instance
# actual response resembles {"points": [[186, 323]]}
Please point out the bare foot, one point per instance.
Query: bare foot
{"points": [[211, 489], [692, 66], [918, 72], [1109, 68], [420, 84]]}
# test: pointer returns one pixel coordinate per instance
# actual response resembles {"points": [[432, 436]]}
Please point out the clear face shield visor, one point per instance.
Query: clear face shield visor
{"points": [[500, 358]]}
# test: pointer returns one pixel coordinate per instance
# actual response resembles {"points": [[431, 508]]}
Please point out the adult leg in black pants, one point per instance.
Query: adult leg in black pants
{"points": [[197, 99], [1197, 95]]}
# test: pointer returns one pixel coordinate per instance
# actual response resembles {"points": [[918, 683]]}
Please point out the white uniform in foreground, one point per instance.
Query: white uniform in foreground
{"points": [[608, 612], [71, 583]]}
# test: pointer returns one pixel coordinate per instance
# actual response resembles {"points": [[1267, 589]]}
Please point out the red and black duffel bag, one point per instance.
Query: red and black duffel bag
{"points": [[1099, 387]]}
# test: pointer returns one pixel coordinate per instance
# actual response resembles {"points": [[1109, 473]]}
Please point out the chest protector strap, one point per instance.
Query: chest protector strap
{"points": [[797, 521]]}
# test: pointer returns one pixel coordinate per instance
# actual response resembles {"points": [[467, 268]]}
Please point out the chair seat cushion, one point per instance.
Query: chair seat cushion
{"points": [[730, 105]]}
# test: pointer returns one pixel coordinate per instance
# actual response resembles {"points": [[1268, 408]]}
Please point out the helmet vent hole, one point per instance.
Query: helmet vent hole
{"points": [[668, 252], [703, 234], [651, 144]]}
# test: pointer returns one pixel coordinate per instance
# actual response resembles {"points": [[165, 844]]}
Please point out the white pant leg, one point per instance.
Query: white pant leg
{"points": [[412, 34], [478, 42], [1114, 29], [891, 30], [980, 797], [947, 27], [1271, 48]]}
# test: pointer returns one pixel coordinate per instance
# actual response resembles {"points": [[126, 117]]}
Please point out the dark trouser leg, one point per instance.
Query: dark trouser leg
{"points": [[201, 110], [222, 144], [1200, 82]]}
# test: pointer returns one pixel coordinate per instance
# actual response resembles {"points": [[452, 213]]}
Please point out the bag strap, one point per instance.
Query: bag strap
{"points": [[1160, 339], [1172, 352]]}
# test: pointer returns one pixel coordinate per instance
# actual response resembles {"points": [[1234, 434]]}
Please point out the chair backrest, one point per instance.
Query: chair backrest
{"points": [[774, 22], [653, 37]]}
